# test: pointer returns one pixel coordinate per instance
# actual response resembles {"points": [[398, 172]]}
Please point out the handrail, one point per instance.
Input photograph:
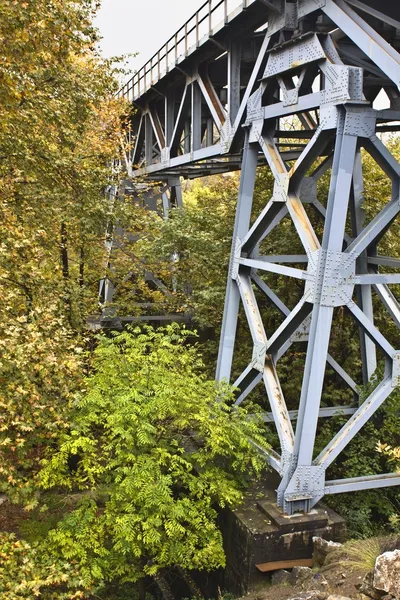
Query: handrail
{"points": [[198, 27]]}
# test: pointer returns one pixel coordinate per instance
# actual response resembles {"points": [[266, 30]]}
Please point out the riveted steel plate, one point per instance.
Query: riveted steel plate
{"points": [[305, 7], [294, 55], [360, 121]]}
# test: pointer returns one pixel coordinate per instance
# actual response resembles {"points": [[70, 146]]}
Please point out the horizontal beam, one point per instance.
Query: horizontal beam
{"points": [[355, 484], [324, 413], [264, 265]]}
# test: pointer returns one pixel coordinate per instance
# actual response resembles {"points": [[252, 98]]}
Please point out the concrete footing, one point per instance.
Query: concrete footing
{"points": [[258, 533]]}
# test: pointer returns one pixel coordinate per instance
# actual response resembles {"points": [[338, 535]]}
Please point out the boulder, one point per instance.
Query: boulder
{"points": [[336, 597], [281, 577], [387, 573], [322, 548], [368, 589], [301, 575]]}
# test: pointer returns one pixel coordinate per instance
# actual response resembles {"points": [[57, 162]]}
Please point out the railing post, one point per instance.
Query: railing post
{"points": [[225, 11], [197, 30], [186, 38], [176, 48], [209, 16]]}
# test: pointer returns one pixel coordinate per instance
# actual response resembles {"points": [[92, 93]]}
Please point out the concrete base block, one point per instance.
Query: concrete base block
{"points": [[258, 533]]}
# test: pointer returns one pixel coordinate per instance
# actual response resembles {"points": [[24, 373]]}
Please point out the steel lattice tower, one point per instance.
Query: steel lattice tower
{"points": [[221, 105]]}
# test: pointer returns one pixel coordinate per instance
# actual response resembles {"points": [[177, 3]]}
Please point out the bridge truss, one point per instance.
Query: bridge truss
{"points": [[291, 84]]}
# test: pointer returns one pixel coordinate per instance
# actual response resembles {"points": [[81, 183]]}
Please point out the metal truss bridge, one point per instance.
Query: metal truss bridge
{"points": [[292, 84]]}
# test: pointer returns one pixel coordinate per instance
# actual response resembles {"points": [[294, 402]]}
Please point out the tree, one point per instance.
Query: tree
{"points": [[59, 128], [160, 449]]}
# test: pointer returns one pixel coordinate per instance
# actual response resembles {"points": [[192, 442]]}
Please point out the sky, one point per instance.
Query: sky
{"points": [[130, 26]]}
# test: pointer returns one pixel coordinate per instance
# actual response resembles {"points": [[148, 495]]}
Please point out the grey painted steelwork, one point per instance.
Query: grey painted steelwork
{"points": [[290, 84]]}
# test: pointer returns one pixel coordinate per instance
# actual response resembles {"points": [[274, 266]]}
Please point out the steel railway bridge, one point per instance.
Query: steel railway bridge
{"points": [[220, 96]]}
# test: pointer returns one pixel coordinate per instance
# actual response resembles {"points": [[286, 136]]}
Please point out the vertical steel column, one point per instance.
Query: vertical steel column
{"points": [[169, 116], [234, 62], [187, 136], [364, 292], [321, 320], [242, 222], [148, 141], [196, 117]]}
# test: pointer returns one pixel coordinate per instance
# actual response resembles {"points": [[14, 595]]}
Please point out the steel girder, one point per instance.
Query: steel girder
{"points": [[305, 76]]}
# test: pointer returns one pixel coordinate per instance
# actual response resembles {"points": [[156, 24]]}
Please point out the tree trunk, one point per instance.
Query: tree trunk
{"points": [[82, 267], [64, 251], [65, 269], [190, 582], [163, 587], [142, 589]]}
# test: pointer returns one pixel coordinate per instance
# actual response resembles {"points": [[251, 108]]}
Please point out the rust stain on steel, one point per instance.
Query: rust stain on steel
{"points": [[274, 155], [272, 379], [302, 216], [251, 305], [159, 129], [214, 99]]}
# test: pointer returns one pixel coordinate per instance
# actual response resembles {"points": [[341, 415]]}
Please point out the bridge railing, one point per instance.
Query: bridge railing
{"points": [[212, 15]]}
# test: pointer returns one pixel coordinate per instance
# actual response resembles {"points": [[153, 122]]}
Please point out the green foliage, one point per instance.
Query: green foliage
{"points": [[28, 572], [199, 237], [160, 449]]}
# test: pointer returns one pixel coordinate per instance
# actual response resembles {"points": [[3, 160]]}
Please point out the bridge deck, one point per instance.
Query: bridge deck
{"points": [[191, 96]]}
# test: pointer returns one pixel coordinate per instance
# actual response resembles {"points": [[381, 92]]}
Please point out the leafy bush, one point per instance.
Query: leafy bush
{"points": [[159, 449]]}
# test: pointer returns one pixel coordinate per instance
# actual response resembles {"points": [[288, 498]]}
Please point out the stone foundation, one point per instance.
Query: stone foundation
{"points": [[258, 533]]}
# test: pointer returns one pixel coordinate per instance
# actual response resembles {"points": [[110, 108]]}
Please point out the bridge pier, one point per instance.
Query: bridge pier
{"points": [[260, 539], [334, 124]]}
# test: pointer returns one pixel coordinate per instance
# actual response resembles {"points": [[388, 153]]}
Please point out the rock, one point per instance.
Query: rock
{"points": [[300, 575], [310, 595], [306, 579], [336, 597], [367, 587], [322, 548], [281, 577], [387, 573]]}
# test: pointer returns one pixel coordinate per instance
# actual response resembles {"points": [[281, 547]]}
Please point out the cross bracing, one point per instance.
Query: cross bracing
{"points": [[292, 85]]}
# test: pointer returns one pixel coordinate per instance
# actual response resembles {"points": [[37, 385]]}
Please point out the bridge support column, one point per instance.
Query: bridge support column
{"points": [[337, 127]]}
